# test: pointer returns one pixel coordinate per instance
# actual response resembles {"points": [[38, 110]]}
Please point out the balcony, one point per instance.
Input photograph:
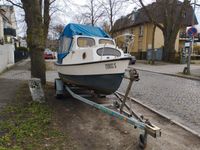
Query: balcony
{"points": [[184, 37], [9, 31]]}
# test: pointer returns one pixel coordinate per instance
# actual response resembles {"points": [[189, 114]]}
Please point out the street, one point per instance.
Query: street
{"points": [[176, 97]]}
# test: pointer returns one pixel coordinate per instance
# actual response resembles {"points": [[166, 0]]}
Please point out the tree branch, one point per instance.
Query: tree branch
{"points": [[150, 17], [52, 2], [15, 4]]}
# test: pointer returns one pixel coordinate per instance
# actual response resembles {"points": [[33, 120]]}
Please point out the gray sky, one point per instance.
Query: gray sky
{"points": [[67, 10]]}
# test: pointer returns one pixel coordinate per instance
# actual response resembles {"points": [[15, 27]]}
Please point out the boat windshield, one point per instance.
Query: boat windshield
{"points": [[64, 45], [106, 41], [85, 42]]}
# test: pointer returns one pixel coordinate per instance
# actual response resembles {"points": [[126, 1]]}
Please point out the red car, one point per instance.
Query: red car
{"points": [[48, 54]]}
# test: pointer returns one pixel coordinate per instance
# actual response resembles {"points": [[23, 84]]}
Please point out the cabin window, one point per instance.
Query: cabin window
{"points": [[107, 51], [106, 41], [65, 45], [85, 42]]}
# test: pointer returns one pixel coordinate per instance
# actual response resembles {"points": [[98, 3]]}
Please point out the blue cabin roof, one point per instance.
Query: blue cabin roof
{"points": [[77, 29]]}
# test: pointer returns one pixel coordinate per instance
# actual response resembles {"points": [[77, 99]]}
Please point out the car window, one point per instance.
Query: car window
{"points": [[85, 42]]}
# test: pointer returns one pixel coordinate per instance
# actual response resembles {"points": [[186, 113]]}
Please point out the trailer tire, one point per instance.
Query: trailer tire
{"points": [[58, 96], [143, 141]]}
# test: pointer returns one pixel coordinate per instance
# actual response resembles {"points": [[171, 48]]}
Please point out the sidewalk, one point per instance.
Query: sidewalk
{"points": [[9, 84], [169, 69]]}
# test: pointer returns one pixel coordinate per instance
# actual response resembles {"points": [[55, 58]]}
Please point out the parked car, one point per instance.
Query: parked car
{"points": [[133, 59], [48, 54]]}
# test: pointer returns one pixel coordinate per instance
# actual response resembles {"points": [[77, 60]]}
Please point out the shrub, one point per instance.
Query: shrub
{"points": [[196, 49], [24, 49]]}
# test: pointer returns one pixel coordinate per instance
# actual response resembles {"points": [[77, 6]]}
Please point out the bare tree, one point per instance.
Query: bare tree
{"points": [[112, 8], [106, 27], [81, 19], [37, 19], [169, 20], [59, 28], [93, 11]]}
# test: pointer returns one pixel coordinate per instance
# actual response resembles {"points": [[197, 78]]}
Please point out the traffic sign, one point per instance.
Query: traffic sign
{"points": [[192, 31]]}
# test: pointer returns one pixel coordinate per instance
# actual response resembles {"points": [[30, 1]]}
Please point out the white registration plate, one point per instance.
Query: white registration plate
{"points": [[110, 66]]}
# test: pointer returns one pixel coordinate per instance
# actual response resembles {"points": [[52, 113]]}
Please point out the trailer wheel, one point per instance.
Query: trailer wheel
{"points": [[58, 95], [116, 104], [143, 140]]}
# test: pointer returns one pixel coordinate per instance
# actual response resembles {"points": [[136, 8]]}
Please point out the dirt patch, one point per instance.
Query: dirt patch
{"points": [[89, 128]]}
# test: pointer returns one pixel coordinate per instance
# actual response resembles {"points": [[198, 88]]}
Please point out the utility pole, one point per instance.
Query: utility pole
{"points": [[191, 42]]}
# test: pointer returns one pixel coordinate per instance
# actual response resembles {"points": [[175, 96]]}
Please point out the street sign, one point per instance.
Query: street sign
{"points": [[192, 31]]}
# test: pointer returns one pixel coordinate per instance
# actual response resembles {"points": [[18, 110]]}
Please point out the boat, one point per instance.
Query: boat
{"points": [[88, 57]]}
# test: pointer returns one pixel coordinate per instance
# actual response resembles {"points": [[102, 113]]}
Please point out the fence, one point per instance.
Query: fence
{"points": [[158, 54]]}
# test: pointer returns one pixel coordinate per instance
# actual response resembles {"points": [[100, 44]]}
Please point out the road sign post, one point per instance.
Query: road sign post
{"points": [[191, 33]]}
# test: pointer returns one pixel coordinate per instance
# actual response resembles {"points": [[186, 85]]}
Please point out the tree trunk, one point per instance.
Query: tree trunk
{"points": [[35, 37], [36, 42], [38, 64], [46, 19], [153, 48], [169, 48]]}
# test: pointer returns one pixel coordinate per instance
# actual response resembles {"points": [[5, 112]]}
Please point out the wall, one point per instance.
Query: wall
{"points": [[6, 56], [1, 28], [158, 38]]}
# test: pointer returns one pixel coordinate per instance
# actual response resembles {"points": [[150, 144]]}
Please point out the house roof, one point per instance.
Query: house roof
{"points": [[139, 17]]}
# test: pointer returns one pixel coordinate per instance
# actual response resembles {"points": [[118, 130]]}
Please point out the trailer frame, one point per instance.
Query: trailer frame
{"points": [[123, 111]]}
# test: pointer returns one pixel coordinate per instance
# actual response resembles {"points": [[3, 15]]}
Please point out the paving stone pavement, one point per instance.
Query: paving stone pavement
{"points": [[10, 84], [176, 97], [22, 72], [168, 68]]}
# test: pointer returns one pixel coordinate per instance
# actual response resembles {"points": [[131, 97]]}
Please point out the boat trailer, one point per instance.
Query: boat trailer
{"points": [[119, 108]]}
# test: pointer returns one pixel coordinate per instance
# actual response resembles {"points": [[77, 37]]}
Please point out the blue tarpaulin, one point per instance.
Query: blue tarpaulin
{"points": [[77, 29]]}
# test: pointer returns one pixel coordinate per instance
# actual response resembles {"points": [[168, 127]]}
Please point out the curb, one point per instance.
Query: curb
{"points": [[163, 115], [173, 75]]}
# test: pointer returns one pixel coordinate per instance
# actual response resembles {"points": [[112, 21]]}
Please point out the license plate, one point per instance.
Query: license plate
{"points": [[110, 66]]}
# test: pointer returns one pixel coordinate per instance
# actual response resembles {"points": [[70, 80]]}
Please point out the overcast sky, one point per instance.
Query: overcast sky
{"points": [[67, 10]]}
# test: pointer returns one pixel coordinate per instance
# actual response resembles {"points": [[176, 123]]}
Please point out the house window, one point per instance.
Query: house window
{"points": [[141, 30]]}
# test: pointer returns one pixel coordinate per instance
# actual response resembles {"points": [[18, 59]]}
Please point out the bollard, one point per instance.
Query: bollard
{"points": [[36, 90]]}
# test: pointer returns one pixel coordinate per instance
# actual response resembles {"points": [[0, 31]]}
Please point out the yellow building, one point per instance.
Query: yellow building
{"points": [[138, 24]]}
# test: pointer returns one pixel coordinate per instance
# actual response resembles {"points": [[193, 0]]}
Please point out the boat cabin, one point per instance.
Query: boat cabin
{"points": [[87, 47]]}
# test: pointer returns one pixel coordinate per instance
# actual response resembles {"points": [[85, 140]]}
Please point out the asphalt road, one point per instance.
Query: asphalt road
{"points": [[176, 97]]}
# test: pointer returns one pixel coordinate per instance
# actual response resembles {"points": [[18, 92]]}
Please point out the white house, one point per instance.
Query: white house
{"points": [[7, 35]]}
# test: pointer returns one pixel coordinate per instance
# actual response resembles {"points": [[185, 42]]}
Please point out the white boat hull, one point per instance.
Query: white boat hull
{"points": [[103, 76], [113, 66]]}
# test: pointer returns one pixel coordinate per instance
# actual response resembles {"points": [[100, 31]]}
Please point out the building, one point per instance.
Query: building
{"points": [[8, 23], [138, 24], [7, 36]]}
